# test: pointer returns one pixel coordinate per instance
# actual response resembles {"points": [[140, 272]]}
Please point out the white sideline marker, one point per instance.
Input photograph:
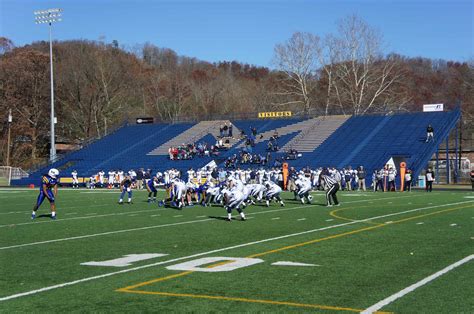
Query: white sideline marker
{"points": [[275, 218], [301, 219], [377, 306], [420, 223]]}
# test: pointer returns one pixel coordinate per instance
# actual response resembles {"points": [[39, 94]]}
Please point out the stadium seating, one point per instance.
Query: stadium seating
{"points": [[330, 141]]}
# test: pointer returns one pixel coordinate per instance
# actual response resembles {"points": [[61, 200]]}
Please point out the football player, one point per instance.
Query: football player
{"points": [[303, 187], [75, 180], [126, 186], [233, 200], [49, 190], [273, 192], [151, 188]]}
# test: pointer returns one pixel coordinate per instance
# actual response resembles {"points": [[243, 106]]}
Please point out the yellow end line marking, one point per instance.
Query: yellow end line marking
{"points": [[214, 297]]}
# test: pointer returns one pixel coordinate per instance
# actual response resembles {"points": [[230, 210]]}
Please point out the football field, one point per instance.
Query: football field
{"points": [[387, 252]]}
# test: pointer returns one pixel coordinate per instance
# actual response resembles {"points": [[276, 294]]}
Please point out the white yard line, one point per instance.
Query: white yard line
{"points": [[196, 221], [377, 306], [70, 283], [140, 211], [87, 216]]}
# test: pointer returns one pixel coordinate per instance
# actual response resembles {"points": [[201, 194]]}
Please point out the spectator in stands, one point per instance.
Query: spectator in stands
{"points": [[253, 131], [430, 177], [361, 178], [221, 131], [272, 144], [220, 143], [408, 178], [429, 134], [231, 131], [292, 154], [275, 134], [226, 130], [472, 179]]}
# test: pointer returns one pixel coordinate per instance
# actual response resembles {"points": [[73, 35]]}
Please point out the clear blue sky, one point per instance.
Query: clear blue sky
{"points": [[246, 30]]}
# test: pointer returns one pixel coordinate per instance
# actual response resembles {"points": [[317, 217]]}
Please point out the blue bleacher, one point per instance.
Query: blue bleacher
{"points": [[362, 140], [371, 141]]}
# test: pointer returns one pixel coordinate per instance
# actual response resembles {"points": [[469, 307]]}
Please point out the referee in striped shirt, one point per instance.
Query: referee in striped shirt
{"points": [[332, 187]]}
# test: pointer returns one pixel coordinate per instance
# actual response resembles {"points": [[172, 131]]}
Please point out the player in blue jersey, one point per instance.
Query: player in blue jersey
{"points": [[151, 188], [49, 190], [126, 186]]}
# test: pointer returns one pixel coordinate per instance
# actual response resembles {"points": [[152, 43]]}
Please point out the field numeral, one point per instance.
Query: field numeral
{"points": [[125, 261], [235, 263]]}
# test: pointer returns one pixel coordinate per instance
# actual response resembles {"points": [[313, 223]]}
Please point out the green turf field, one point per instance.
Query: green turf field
{"points": [[374, 246]]}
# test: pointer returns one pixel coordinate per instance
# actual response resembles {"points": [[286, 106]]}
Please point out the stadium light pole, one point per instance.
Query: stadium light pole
{"points": [[49, 17], [10, 120]]}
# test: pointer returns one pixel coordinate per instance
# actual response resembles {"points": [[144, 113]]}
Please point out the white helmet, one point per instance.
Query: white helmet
{"points": [[53, 173]]}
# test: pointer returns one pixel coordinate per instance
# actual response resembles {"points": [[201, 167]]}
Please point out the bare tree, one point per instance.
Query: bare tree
{"points": [[362, 75], [297, 59]]}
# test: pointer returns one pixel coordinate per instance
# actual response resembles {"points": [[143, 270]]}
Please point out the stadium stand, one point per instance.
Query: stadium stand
{"points": [[334, 141]]}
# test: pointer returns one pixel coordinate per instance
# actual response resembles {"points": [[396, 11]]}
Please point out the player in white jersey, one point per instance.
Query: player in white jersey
{"points": [[179, 192], [92, 182], [260, 175], [303, 187], [120, 177], [256, 191], [75, 180], [191, 175], [111, 180], [212, 194], [233, 200], [273, 192], [199, 176], [101, 178]]}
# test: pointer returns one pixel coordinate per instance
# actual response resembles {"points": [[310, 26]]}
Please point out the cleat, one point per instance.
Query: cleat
{"points": [[33, 215], [329, 205], [160, 204], [53, 217], [229, 219], [338, 204], [282, 204], [243, 219], [120, 203]]}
